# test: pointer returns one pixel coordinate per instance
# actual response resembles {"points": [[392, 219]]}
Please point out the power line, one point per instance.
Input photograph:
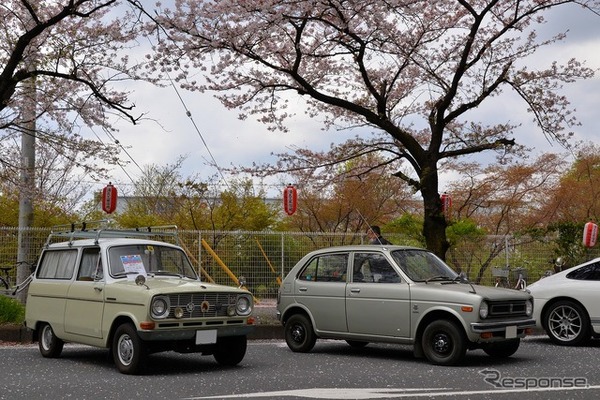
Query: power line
{"points": [[118, 143], [189, 114]]}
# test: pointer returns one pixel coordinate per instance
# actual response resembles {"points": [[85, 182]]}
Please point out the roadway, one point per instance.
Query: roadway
{"points": [[333, 370]]}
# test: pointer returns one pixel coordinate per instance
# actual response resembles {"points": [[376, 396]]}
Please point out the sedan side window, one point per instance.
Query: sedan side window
{"points": [[589, 272], [373, 267], [328, 268]]}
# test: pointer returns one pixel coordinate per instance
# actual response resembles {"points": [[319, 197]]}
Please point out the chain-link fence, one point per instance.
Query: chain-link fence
{"points": [[263, 258]]}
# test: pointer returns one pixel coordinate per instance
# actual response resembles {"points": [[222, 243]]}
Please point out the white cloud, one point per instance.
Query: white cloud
{"points": [[235, 142]]}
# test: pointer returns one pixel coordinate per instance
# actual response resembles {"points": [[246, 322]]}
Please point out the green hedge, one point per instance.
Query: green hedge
{"points": [[11, 310]]}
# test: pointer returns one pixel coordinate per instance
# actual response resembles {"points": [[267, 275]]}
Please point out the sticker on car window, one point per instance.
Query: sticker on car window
{"points": [[133, 265]]}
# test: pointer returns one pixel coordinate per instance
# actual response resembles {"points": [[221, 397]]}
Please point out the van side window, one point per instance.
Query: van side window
{"points": [[89, 264], [57, 264]]}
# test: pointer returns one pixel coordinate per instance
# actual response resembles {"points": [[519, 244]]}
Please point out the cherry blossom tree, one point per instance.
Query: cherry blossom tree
{"points": [[73, 49], [412, 73], [60, 64]]}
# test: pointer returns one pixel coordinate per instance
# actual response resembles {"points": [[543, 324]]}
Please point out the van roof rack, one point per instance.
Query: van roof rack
{"points": [[81, 230]]}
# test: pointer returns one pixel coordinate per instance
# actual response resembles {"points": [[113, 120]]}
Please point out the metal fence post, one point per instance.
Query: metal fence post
{"points": [[282, 257]]}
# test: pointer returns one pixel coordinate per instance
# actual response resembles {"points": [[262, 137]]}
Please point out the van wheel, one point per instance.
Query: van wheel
{"points": [[444, 343], [299, 334], [230, 350], [128, 350], [50, 346]]}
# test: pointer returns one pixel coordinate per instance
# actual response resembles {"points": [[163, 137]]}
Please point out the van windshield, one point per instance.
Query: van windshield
{"points": [[149, 260]]}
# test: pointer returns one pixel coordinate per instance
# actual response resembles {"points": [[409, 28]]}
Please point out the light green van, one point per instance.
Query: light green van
{"points": [[122, 290]]}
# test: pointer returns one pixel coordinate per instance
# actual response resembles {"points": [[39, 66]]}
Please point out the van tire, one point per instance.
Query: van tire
{"points": [[50, 346]]}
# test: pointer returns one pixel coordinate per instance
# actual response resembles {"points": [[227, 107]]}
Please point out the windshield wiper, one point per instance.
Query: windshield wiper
{"points": [[461, 278], [437, 277], [168, 273], [123, 273]]}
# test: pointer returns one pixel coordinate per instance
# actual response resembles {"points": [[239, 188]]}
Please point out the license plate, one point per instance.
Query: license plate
{"points": [[206, 337], [511, 332]]}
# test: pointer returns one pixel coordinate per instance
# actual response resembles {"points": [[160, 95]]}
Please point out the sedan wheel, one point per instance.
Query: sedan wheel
{"points": [[230, 350], [567, 323], [299, 334], [502, 349], [444, 343]]}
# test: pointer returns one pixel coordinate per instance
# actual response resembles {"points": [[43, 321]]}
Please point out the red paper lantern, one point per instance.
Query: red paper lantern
{"points": [[446, 201], [109, 198], [590, 234], [290, 199]]}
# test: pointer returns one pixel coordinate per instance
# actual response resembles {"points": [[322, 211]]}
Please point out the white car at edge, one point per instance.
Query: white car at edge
{"points": [[567, 304]]}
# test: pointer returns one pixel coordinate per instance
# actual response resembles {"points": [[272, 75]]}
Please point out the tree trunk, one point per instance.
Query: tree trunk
{"points": [[434, 221]]}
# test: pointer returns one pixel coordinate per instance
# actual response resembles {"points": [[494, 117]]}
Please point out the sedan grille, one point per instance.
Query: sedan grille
{"points": [[503, 309], [201, 305]]}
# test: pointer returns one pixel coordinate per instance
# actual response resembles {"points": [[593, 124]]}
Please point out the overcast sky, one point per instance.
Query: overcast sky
{"points": [[235, 142]]}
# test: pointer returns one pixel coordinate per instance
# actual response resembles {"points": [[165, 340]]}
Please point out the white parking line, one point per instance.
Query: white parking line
{"points": [[387, 393]]}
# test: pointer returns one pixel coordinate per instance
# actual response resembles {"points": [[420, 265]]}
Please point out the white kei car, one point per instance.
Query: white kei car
{"points": [[567, 304]]}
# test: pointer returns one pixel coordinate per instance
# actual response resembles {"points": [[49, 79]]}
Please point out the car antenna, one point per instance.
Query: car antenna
{"points": [[368, 225]]}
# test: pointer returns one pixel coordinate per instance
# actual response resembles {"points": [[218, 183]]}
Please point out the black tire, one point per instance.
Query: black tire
{"points": [[128, 350], [357, 344], [50, 346], [299, 334], [231, 350], [444, 343], [503, 349], [567, 323]]}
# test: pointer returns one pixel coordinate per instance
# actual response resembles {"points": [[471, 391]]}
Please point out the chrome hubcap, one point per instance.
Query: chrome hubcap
{"points": [[47, 337], [125, 347]]}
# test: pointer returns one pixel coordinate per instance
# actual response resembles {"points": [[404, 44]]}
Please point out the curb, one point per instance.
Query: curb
{"points": [[15, 333]]}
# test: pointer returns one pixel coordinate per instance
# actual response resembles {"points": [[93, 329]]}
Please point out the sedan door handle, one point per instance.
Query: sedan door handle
{"points": [[355, 290]]}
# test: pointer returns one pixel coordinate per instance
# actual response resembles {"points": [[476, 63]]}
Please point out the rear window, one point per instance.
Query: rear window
{"points": [[57, 264]]}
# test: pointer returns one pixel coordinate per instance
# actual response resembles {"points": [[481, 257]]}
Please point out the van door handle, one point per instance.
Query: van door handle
{"points": [[355, 290], [302, 289]]}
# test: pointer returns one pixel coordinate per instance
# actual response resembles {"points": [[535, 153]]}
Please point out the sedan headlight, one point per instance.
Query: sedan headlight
{"points": [[159, 308], [244, 305], [529, 308], [484, 310]]}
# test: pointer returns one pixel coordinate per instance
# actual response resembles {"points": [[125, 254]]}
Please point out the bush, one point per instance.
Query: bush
{"points": [[11, 311]]}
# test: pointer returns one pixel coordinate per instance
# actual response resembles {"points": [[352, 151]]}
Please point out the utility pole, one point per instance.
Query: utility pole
{"points": [[27, 183]]}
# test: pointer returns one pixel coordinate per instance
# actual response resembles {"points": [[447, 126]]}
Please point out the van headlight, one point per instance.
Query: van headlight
{"points": [[244, 305], [159, 309], [529, 308], [484, 310]]}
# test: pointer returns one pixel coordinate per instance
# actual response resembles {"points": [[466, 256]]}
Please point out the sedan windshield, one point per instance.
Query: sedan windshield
{"points": [[422, 265], [149, 260]]}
